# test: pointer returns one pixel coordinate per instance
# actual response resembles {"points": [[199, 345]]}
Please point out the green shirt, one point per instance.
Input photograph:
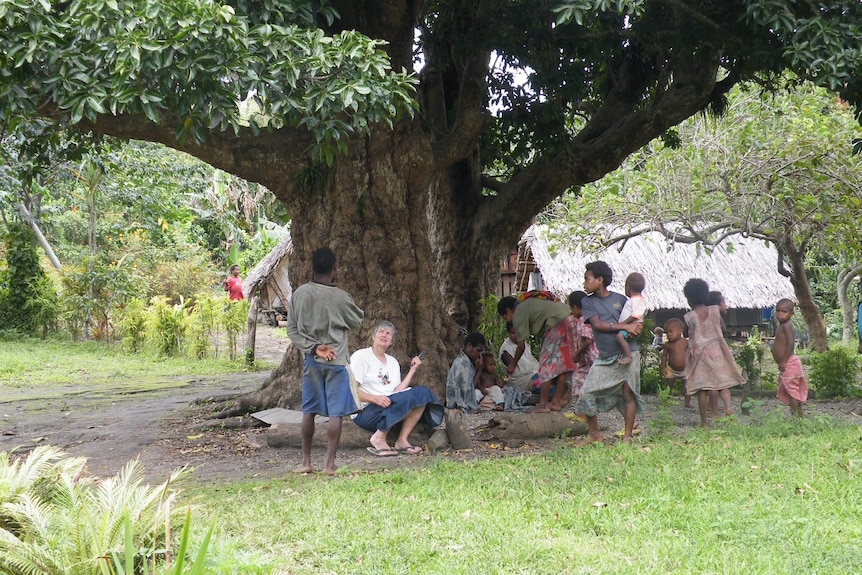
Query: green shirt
{"points": [[534, 316], [322, 314]]}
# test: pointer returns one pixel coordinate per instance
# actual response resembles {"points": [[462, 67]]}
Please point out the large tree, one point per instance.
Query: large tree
{"points": [[516, 101]]}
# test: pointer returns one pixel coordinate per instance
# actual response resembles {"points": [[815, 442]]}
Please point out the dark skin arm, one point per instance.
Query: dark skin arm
{"points": [[518, 353], [613, 327], [782, 347]]}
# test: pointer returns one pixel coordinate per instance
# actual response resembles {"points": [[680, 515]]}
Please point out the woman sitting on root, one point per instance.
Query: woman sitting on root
{"points": [[389, 401]]}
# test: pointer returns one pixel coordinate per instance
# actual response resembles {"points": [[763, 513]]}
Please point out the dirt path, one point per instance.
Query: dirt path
{"points": [[161, 429]]}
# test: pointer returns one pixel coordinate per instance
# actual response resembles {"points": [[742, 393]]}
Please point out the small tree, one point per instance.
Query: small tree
{"points": [[27, 296]]}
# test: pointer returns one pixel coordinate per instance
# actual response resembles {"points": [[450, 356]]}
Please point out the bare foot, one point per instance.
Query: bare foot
{"points": [[302, 469], [590, 439], [555, 407], [625, 360], [330, 470], [627, 440], [728, 413], [540, 408]]}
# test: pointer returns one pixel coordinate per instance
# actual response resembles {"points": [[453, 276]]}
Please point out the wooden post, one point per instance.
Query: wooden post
{"points": [[251, 330]]}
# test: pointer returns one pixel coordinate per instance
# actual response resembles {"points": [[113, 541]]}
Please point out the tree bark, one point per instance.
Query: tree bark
{"points": [[845, 279], [802, 291], [251, 330], [531, 426]]}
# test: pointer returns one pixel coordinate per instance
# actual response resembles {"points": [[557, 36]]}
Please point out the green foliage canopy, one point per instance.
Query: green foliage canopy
{"points": [[191, 62]]}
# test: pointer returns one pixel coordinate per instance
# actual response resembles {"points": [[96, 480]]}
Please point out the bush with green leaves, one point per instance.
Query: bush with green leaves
{"points": [[202, 324], [165, 325], [835, 372], [56, 520], [750, 357], [132, 325], [93, 290], [234, 322], [651, 381], [27, 296]]}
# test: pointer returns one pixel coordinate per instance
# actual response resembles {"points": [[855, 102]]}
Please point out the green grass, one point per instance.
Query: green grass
{"points": [[33, 363], [779, 497]]}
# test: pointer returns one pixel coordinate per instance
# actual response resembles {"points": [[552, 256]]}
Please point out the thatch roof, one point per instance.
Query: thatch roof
{"points": [[743, 269], [270, 276]]}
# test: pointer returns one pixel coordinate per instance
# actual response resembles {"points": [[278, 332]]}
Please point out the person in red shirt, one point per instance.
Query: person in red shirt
{"points": [[233, 283]]}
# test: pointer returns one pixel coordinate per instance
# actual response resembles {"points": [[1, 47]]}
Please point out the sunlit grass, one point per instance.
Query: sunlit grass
{"points": [[774, 497], [30, 364]]}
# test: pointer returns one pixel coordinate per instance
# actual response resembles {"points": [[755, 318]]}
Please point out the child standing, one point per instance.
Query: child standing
{"points": [[489, 386], [633, 311], [716, 298], [710, 363], [792, 386], [233, 284], [673, 356]]}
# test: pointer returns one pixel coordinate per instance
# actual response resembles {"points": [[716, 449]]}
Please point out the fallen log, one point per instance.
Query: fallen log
{"points": [[352, 436], [531, 426]]}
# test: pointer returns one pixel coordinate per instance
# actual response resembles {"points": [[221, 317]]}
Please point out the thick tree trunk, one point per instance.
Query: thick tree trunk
{"points": [[372, 208], [807, 305]]}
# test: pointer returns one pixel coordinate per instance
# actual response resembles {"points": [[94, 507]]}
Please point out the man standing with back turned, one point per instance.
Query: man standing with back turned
{"points": [[319, 318]]}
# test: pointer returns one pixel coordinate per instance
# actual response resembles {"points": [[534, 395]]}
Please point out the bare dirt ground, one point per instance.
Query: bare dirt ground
{"points": [[162, 429]]}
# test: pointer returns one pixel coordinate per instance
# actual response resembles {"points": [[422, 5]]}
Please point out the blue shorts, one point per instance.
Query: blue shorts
{"points": [[326, 389]]}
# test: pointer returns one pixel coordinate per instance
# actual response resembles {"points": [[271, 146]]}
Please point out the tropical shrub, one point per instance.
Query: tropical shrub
{"points": [[27, 296], [165, 325], [750, 357], [834, 373], [132, 325], [234, 322], [54, 519], [202, 324], [93, 290]]}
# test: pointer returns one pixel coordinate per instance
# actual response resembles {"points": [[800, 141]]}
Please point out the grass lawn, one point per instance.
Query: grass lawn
{"points": [[31, 363], [775, 496], [778, 497]]}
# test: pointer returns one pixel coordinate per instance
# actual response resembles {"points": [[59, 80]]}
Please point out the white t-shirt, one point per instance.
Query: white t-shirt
{"points": [[374, 376], [521, 379], [635, 306]]}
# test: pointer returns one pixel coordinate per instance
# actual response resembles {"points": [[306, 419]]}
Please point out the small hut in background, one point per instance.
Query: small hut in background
{"points": [[744, 270], [269, 281]]}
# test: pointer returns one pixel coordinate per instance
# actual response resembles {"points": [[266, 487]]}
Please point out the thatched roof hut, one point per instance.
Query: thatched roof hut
{"points": [[743, 269], [269, 278]]}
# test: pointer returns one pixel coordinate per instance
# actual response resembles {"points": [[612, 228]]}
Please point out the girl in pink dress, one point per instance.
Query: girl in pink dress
{"points": [[710, 364]]}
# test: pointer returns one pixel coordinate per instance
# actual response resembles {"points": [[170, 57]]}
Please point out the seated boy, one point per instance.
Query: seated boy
{"points": [[489, 386]]}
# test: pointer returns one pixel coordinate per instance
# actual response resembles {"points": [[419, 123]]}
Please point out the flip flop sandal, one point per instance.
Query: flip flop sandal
{"points": [[382, 452]]}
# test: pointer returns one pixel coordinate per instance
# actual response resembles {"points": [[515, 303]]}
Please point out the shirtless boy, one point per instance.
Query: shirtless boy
{"points": [[673, 355], [792, 386], [488, 383]]}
